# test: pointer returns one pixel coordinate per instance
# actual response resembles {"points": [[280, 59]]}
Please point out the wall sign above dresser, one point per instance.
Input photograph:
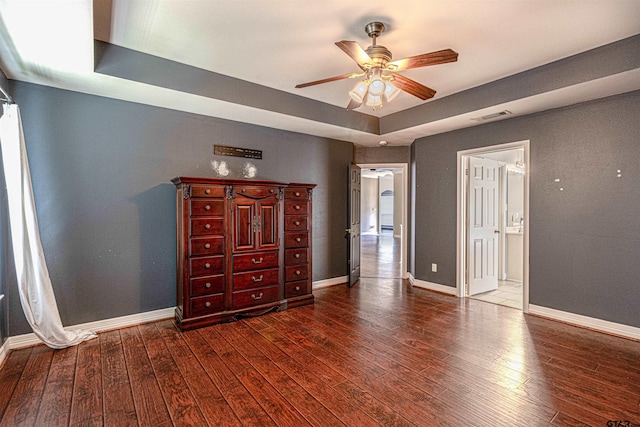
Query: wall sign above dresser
{"points": [[243, 248], [224, 150]]}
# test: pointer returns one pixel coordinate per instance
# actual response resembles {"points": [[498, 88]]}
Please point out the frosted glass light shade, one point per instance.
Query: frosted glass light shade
{"points": [[390, 91], [374, 101], [358, 92], [376, 86]]}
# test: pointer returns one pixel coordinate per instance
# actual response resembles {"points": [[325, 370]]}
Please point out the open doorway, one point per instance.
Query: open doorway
{"points": [[493, 219], [383, 219]]}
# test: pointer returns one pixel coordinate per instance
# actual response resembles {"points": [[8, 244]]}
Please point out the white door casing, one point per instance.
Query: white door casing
{"points": [[353, 232], [483, 225]]}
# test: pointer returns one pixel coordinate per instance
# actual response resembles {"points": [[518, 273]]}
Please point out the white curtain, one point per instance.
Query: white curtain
{"points": [[34, 283]]}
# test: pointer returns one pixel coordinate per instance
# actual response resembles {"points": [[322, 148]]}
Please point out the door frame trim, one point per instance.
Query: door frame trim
{"points": [[405, 211], [461, 215]]}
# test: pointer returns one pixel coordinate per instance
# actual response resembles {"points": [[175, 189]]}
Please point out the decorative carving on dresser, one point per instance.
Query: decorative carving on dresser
{"points": [[243, 248]]}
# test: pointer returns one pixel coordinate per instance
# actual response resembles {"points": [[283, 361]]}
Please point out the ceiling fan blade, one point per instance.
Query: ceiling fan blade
{"points": [[329, 79], [353, 104], [356, 53], [433, 58], [412, 87]]}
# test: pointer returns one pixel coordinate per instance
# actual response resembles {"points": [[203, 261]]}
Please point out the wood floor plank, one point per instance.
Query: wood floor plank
{"points": [[55, 407], [118, 406], [180, 403], [22, 409], [209, 399], [10, 374], [151, 409], [86, 405], [243, 339], [244, 406]]}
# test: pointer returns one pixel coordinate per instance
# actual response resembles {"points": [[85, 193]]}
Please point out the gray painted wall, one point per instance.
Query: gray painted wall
{"points": [[373, 155], [101, 171], [585, 240]]}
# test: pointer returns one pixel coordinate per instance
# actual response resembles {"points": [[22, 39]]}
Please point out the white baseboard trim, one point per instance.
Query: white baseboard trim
{"points": [[340, 280], [587, 322], [4, 352], [26, 340], [432, 286]]}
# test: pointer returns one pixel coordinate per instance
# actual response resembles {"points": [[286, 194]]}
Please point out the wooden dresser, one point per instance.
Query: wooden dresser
{"points": [[243, 248]]}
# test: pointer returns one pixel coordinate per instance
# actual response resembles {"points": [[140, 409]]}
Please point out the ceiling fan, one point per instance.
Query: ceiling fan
{"points": [[380, 73]]}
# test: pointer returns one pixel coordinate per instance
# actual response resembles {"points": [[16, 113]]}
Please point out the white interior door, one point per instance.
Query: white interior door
{"points": [[483, 225]]}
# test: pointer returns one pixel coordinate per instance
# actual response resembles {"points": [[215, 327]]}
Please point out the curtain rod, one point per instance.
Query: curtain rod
{"points": [[7, 97]]}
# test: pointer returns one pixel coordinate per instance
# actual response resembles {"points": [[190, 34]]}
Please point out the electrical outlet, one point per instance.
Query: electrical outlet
{"points": [[434, 268]]}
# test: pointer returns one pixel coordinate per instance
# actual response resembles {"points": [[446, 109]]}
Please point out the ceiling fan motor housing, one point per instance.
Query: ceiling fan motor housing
{"points": [[380, 55]]}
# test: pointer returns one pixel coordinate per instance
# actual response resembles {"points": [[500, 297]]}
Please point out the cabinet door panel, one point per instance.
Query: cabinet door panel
{"points": [[268, 232], [243, 228]]}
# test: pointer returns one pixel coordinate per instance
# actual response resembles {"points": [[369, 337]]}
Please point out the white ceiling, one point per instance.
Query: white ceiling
{"points": [[280, 43]]}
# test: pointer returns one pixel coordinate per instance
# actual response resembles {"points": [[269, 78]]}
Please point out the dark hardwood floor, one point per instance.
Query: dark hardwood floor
{"points": [[380, 255], [380, 353]]}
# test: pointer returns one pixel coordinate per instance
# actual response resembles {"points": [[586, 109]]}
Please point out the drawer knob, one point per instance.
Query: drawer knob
{"points": [[207, 245], [207, 208], [244, 190], [207, 285], [297, 288], [297, 222], [256, 297], [207, 226], [207, 265], [271, 191], [207, 191], [298, 239], [207, 304], [253, 260], [297, 194], [297, 255], [257, 280], [297, 207], [297, 272]]}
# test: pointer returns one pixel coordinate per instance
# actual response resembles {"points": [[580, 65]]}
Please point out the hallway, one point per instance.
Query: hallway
{"points": [[380, 256]]}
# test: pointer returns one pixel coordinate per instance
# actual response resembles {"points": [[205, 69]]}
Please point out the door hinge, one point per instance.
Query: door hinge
{"points": [[466, 172]]}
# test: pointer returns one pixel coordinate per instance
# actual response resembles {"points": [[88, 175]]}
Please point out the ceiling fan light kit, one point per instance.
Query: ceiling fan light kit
{"points": [[379, 71]]}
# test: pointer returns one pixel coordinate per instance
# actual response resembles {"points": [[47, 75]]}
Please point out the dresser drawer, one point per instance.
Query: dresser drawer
{"points": [[294, 289], [206, 265], [207, 305], [206, 246], [256, 192], [299, 193], [207, 285], [207, 207], [295, 207], [296, 240], [295, 223], [207, 226], [203, 190], [255, 279], [295, 256], [296, 272], [255, 297], [255, 261]]}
